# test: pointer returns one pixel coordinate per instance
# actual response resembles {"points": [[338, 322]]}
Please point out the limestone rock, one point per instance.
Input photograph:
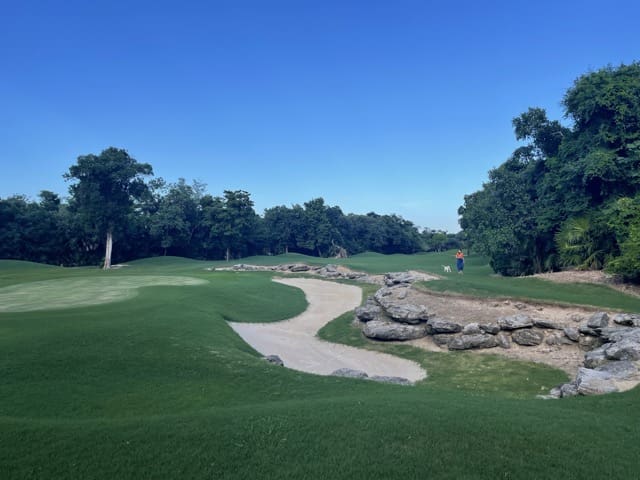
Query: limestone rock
{"points": [[568, 390], [466, 342], [557, 338], [598, 320], [621, 370], [593, 382], [587, 330], [408, 313], [472, 329], [384, 297], [572, 333], [275, 359], [595, 358], [442, 339], [504, 340], [527, 337], [389, 330], [368, 311], [515, 322], [617, 334], [588, 342], [437, 325], [547, 324], [394, 278], [625, 349], [299, 267], [627, 319], [492, 328]]}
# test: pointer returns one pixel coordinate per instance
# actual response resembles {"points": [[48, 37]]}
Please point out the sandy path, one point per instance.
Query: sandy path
{"points": [[294, 340]]}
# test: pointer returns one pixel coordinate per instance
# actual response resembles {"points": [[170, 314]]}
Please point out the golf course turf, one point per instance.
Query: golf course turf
{"points": [[157, 385]]}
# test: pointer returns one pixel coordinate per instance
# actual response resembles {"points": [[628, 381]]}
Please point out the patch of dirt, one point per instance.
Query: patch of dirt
{"points": [[590, 276], [464, 310]]}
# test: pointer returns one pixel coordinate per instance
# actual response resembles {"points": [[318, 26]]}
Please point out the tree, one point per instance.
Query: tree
{"points": [[500, 220], [105, 189], [283, 225], [320, 233], [178, 216], [546, 206], [545, 135], [231, 221]]}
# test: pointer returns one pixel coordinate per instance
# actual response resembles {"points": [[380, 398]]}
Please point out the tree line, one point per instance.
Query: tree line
{"points": [[570, 197], [117, 212]]}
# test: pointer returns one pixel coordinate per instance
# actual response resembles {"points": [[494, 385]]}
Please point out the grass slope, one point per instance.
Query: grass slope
{"points": [[478, 279], [159, 386]]}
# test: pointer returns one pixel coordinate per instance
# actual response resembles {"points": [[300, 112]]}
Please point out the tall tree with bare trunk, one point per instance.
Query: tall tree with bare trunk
{"points": [[104, 191]]}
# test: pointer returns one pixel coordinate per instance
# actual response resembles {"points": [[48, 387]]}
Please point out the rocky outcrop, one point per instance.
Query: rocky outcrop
{"points": [[328, 271], [612, 352], [594, 382], [627, 319], [614, 357], [387, 316]]}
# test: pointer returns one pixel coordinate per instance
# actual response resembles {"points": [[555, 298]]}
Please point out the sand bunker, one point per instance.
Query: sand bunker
{"points": [[294, 340], [81, 292]]}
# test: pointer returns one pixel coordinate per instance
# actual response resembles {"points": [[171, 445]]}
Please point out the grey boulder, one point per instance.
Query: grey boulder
{"points": [[388, 330], [466, 342], [515, 322], [527, 337]]}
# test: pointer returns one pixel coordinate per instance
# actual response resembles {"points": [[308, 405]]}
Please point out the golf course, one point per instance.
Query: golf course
{"points": [[137, 373]]}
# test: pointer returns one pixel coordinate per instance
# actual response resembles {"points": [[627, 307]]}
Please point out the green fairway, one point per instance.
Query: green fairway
{"points": [[157, 385], [80, 292]]}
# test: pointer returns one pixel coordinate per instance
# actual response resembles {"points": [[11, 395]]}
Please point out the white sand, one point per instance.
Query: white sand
{"points": [[294, 340]]}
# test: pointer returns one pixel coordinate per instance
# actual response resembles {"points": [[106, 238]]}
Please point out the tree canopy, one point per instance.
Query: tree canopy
{"points": [[104, 190], [569, 196], [112, 197]]}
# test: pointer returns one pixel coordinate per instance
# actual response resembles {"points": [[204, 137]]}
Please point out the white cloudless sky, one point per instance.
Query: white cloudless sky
{"points": [[389, 106]]}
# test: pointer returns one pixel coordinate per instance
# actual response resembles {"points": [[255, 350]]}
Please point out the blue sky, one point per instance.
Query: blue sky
{"points": [[388, 106]]}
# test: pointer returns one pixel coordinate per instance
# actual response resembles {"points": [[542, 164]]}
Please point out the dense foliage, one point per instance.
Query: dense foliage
{"points": [[109, 196], [571, 196]]}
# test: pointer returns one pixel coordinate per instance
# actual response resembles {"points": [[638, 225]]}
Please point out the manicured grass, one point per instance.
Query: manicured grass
{"points": [[528, 288], [159, 386], [461, 371], [478, 280]]}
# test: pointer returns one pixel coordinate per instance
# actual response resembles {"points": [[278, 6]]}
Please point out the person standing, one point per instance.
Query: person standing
{"points": [[460, 261]]}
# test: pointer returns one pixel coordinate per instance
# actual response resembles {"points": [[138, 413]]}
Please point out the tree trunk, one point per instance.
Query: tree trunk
{"points": [[107, 254], [228, 254]]}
